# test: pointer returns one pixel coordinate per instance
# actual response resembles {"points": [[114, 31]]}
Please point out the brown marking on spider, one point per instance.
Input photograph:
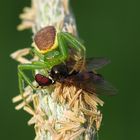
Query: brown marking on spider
{"points": [[46, 39]]}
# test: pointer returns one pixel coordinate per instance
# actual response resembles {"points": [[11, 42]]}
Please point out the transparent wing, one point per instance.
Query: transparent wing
{"points": [[94, 83], [96, 63], [105, 88]]}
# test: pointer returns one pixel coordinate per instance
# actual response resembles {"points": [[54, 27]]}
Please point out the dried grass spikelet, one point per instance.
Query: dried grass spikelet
{"points": [[68, 113], [48, 12], [79, 101], [20, 56], [28, 17], [27, 96]]}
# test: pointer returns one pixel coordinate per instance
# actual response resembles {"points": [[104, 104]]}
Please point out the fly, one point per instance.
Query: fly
{"points": [[87, 80]]}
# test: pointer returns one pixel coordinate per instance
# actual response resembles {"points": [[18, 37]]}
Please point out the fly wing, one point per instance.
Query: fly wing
{"points": [[105, 88], [93, 63], [94, 83], [96, 63]]}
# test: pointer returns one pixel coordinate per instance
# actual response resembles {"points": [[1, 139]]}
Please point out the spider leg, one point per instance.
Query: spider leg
{"points": [[73, 41], [79, 48], [23, 77]]}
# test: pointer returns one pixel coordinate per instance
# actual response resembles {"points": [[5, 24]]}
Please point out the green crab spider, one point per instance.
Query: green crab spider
{"points": [[52, 48]]}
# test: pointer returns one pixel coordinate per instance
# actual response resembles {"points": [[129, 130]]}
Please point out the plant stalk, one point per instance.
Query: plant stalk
{"points": [[63, 113]]}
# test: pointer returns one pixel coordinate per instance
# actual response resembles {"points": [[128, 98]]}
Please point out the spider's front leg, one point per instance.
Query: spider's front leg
{"points": [[73, 41], [79, 48], [23, 77]]}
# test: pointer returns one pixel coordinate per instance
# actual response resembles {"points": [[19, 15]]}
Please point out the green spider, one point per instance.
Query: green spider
{"points": [[51, 47]]}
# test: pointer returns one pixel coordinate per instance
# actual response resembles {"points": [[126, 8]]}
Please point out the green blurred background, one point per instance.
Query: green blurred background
{"points": [[109, 28]]}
